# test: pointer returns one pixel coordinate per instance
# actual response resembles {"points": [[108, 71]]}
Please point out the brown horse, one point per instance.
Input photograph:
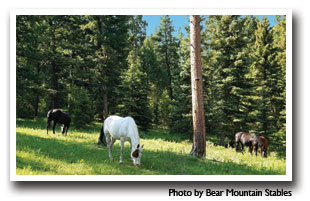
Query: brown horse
{"points": [[251, 140], [265, 143]]}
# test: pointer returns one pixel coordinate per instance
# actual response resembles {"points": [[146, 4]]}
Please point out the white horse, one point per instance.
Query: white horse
{"points": [[123, 129]]}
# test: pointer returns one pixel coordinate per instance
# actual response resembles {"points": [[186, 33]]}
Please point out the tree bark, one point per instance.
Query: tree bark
{"points": [[199, 130]]}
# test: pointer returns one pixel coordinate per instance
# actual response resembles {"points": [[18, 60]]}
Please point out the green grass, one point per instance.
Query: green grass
{"points": [[163, 154]]}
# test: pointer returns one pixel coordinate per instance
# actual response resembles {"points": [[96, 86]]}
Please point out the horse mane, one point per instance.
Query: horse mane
{"points": [[134, 130]]}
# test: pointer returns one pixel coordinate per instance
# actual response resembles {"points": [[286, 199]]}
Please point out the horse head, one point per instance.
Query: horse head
{"points": [[136, 155]]}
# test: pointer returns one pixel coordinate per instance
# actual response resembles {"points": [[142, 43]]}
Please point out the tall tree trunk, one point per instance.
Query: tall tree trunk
{"points": [[199, 130]]}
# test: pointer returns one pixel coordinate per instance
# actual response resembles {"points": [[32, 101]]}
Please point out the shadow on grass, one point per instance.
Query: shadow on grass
{"points": [[37, 123], [35, 165], [153, 162], [163, 134], [40, 123]]}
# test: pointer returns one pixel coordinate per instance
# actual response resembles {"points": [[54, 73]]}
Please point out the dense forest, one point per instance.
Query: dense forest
{"points": [[95, 66]]}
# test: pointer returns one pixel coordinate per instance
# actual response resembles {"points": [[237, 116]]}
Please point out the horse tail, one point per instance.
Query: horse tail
{"points": [[102, 139]]}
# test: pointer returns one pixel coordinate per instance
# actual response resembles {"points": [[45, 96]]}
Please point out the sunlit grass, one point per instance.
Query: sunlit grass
{"points": [[78, 154]]}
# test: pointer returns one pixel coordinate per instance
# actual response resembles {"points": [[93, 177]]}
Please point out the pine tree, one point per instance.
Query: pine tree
{"points": [[268, 76], [167, 45], [181, 117], [81, 110], [227, 67], [279, 43], [151, 66], [108, 36], [28, 56], [279, 38], [135, 89]]}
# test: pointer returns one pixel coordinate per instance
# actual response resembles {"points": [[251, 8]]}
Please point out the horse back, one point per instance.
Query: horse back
{"points": [[247, 138], [64, 118], [58, 116], [120, 127], [238, 136]]}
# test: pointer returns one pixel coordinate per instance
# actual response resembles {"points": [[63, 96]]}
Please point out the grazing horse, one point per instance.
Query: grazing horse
{"points": [[265, 144], [123, 129], [59, 117], [248, 139]]}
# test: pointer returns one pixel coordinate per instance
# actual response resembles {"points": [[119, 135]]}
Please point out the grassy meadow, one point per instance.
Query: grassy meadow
{"points": [[163, 154]]}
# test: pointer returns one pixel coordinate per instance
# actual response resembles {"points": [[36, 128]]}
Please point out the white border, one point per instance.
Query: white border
{"points": [[287, 177]]}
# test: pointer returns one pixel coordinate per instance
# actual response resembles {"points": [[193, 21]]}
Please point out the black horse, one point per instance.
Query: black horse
{"points": [[59, 117], [251, 140]]}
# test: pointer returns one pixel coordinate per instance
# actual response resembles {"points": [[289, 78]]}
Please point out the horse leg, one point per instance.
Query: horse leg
{"points": [[122, 148], [62, 129], [108, 139], [110, 145], [54, 125], [67, 127], [237, 144], [250, 149], [48, 125], [242, 148], [256, 148]]}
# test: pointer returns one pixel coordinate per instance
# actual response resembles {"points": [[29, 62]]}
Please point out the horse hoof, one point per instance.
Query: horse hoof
{"points": [[121, 162]]}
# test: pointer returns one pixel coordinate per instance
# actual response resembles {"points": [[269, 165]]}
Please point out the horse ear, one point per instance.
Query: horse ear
{"points": [[142, 146], [135, 154], [138, 146]]}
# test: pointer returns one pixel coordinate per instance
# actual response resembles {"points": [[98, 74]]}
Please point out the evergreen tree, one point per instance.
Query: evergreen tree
{"points": [[167, 45], [108, 65], [279, 38], [137, 32], [108, 35], [81, 110], [226, 70], [28, 66], [151, 66], [181, 117], [268, 76], [135, 89]]}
